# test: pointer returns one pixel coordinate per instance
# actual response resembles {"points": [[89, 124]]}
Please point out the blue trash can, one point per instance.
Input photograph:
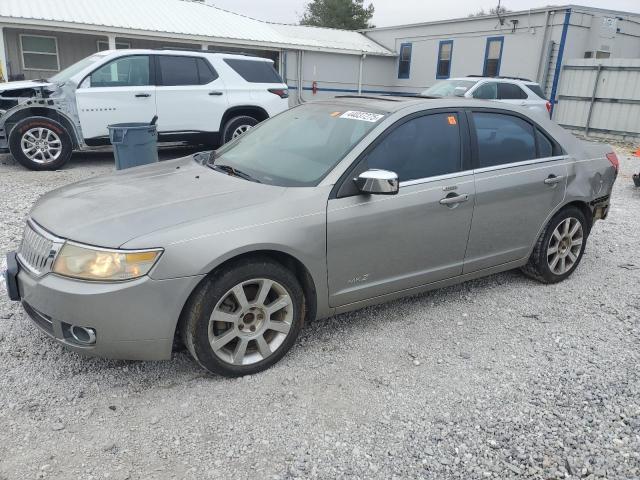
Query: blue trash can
{"points": [[134, 144]]}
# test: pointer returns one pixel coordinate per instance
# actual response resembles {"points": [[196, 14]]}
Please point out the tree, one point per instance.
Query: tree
{"points": [[344, 14], [492, 11]]}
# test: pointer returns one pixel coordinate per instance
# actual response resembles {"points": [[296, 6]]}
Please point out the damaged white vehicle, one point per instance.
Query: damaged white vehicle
{"points": [[200, 97]]}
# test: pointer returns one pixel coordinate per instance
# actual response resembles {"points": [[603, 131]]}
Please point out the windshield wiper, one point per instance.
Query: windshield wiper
{"points": [[229, 170]]}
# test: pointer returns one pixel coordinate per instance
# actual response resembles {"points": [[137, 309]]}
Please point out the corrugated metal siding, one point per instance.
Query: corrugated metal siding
{"points": [[619, 81], [182, 17]]}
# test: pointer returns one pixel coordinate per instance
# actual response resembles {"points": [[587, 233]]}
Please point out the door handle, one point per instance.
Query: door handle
{"points": [[454, 199], [216, 93], [553, 179], [142, 95]]}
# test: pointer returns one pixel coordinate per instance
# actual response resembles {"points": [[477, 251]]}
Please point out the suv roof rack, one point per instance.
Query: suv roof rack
{"points": [[197, 50], [503, 78]]}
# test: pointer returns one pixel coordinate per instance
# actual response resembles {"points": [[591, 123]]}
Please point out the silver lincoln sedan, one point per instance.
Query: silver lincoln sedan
{"points": [[328, 207]]}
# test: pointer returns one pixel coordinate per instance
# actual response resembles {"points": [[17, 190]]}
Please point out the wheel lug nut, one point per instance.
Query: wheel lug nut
{"points": [[260, 317], [253, 328], [241, 325]]}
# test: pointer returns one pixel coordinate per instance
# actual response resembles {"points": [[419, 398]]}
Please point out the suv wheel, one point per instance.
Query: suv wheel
{"points": [[40, 143], [244, 318], [559, 248], [236, 126]]}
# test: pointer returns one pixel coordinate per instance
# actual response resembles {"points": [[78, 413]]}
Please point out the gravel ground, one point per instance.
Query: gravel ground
{"points": [[496, 378]]}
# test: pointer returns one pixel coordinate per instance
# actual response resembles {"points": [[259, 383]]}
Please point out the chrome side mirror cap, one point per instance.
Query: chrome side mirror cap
{"points": [[459, 91], [378, 182]]}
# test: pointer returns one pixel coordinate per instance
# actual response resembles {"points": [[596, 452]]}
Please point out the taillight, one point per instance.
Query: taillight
{"points": [[613, 158], [549, 107], [281, 92]]}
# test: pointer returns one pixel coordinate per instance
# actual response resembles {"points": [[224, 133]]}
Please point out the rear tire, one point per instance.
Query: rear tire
{"points": [[244, 318], [559, 248], [40, 143], [236, 126]]}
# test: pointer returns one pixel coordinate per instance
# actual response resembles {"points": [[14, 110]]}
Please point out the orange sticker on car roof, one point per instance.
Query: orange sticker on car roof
{"points": [[335, 114]]}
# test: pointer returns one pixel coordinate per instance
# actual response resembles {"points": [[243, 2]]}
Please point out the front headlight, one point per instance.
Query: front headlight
{"points": [[89, 263]]}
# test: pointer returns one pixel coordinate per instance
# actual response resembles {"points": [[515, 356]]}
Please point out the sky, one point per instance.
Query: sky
{"points": [[397, 12]]}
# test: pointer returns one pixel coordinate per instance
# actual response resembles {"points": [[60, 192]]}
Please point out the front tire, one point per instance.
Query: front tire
{"points": [[559, 248], [236, 126], [40, 143], [244, 318]]}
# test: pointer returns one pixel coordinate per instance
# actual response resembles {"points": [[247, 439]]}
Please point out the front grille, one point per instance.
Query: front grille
{"points": [[38, 249]]}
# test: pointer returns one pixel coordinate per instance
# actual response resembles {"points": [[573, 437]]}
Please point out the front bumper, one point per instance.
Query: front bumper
{"points": [[133, 320]]}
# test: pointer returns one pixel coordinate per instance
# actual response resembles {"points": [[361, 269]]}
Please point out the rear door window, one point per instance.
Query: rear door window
{"points": [[503, 139], [545, 146], [510, 91], [177, 70], [254, 71], [423, 147]]}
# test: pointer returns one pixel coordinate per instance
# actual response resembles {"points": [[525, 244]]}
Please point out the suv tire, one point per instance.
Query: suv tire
{"points": [[559, 248], [243, 318], [236, 126], [40, 143]]}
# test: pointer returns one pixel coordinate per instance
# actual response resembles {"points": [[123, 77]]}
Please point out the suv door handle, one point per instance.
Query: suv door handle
{"points": [[141, 95], [217, 93], [454, 199], [553, 179]]}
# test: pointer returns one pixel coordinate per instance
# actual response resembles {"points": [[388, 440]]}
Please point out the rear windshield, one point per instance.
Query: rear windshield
{"points": [[535, 88], [254, 71]]}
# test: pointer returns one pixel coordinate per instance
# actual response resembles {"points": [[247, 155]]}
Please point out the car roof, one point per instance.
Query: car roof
{"points": [[394, 103], [498, 79]]}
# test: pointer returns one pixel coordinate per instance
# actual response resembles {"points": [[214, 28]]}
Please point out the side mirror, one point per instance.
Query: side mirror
{"points": [[378, 182], [459, 91]]}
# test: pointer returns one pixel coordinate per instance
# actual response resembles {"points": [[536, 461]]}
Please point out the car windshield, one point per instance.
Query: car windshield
{"points": [[446, 88], [299, 147], [77, 67]]}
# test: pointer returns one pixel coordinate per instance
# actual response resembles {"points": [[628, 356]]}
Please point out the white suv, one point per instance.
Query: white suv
{"points": [[516, 91], [199, 97]]}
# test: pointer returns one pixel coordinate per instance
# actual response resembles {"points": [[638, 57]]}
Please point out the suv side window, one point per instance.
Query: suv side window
{"points": [[254, 71], [510, 91], [486, 91], [176, 70], [422, 147], [123, 72], [503, 139]]}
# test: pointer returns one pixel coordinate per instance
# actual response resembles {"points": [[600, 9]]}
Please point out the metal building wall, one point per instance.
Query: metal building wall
{"points": [[600, 97]]}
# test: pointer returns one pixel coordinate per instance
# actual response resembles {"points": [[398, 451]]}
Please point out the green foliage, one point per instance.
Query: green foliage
{"points": [[344, 14]]}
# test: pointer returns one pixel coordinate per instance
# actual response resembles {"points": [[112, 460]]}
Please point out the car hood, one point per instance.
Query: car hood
{"points": [[23, 84], [111, 210]]}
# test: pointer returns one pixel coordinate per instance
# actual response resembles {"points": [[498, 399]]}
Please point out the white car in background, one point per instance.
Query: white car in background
{"points": [[516, 91], [199, 97]]}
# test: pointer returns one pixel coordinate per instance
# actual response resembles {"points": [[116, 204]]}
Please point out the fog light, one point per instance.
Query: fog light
{"points": [[83, 335]]}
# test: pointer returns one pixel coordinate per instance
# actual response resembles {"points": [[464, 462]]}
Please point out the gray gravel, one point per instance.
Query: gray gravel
{"points": [[496, 378]]}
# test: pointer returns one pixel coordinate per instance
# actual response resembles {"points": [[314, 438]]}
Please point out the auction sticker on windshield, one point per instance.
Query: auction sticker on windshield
{"points": [[362, 116]]}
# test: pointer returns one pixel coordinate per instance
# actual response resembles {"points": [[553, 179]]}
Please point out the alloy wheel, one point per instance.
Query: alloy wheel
{"points": [[250, 322], [240, 130], [41, 145], [565, 246]]}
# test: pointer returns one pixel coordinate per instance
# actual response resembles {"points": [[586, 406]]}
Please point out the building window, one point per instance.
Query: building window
{"points": [[445, 50], [404, 64], [104, 45], [39, 53], [493, 56]]}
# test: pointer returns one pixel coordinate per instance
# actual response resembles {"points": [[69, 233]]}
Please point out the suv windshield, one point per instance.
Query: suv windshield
{"points": [[299, 147], [77, 67], [446, 88]]}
